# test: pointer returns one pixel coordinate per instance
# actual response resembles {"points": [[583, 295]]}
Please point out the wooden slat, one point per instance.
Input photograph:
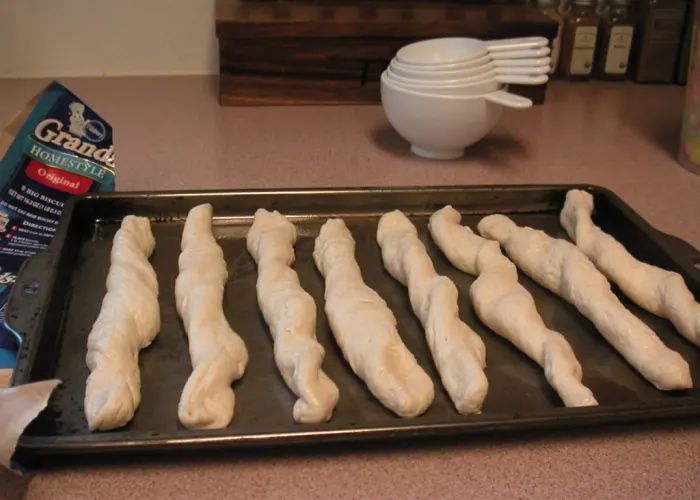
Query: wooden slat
{"points": [[240, 90], [236, 19], [311, 49]]}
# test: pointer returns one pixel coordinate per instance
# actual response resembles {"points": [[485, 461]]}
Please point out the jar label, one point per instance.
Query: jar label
{"points": [[584, 48], [619, 50]]}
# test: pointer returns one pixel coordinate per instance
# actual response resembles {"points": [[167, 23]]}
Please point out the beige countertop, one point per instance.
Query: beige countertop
{"points": [[170, 133]]}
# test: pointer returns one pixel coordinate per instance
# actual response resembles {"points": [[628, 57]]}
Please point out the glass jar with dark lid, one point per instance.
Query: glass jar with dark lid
{"points": [[615, 41], [658, 40], [579, 35], [549, 9]]}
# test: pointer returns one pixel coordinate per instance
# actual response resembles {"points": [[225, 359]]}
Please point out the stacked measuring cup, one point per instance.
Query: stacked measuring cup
{"points": [[444, 94]]}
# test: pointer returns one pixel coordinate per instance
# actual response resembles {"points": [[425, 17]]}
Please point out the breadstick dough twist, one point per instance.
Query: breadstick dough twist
{"points": [[562, 268], [290, 313], [657, 290], [458, 352], [507, 307], [219, 356], [365, 328], [128, 321]]}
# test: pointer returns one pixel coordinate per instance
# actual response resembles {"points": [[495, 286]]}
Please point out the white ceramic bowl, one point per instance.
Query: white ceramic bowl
{"points": [[438, 126]]}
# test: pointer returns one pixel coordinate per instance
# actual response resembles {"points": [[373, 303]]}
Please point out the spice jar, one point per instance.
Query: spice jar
{"points": [[549, 9], [578, 40], [658, 40], [615, 42]]}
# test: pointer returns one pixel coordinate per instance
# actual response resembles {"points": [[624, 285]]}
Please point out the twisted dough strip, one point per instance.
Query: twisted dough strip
{"points": [[290, 313], [561, 267], [219, 356], [458, 352], [507, 307], [129, 320], [657, 290], [365, 327]]}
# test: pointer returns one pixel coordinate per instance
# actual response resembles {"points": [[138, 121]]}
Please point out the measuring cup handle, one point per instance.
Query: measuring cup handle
{"points": [[529, 42], [520, 53], [522, 70], [521, 79], [508, 100]]}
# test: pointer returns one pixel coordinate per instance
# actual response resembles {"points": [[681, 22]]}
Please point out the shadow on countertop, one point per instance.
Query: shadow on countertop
{"points": [[659, 120], [12, 486], [494, 150]]}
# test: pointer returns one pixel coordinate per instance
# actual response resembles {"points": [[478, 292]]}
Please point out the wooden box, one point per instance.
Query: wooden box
{"points": [[292, 52]]}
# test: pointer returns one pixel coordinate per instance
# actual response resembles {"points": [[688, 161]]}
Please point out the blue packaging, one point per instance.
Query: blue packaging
{"points": [[55, 148]]}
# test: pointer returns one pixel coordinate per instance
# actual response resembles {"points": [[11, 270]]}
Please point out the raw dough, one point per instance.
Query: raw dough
{"points": [[562, 268], [219, 356], [129, 320], [365, 328], [507, 307], [657, 290], [290, 313], [458, 352]]}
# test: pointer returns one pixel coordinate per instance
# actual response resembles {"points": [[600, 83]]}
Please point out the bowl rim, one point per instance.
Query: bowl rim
{"points": [[448, 84], [418, 93], [446, 76], [436, 68], [481, 49], [482, 68], [465, 91]]}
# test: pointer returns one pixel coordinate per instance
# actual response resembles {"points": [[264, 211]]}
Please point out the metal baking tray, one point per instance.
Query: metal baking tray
{"points": [[58, 294]]}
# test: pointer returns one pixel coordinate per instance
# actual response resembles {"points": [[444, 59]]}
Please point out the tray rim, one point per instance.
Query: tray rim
{"points": [[683, 406], [561, 418]]}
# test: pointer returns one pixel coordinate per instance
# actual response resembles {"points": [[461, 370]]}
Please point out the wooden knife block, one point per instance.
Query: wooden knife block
{"points": [[282, 52]]}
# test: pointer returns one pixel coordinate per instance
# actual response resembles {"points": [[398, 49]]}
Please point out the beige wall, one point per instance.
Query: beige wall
{"points": [[54, 38]]}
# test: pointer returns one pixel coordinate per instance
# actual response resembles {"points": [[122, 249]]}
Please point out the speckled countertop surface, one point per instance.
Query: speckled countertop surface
{"points": [[171, 134]]}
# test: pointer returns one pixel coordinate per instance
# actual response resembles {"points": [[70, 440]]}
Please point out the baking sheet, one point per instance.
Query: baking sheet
{"points": [[59, 295]]}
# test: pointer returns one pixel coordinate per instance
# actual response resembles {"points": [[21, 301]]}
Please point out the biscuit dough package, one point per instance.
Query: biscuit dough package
{"points": [[55, 148]]}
